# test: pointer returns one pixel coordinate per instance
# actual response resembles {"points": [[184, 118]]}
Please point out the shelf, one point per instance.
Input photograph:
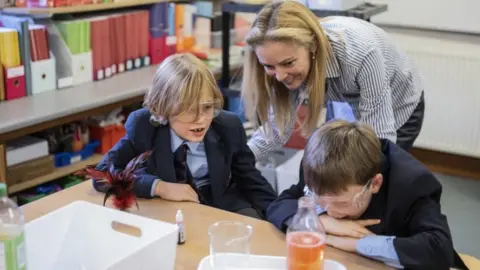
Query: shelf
{"points": [[365, 11], [47, 12], [28, 112], [58, 173]]}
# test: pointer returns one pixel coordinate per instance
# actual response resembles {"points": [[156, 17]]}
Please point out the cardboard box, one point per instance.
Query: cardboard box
{"points": [[29, 170]]}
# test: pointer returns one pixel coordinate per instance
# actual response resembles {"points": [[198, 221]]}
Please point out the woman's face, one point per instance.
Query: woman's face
{"points": [[288, 62]]}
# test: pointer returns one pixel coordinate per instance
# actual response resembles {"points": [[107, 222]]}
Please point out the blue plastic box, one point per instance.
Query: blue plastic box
{"points": [[64, 158]]}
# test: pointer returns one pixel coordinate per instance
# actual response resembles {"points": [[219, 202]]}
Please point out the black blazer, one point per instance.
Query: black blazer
{"points": [[235, 182], [408, 205]]}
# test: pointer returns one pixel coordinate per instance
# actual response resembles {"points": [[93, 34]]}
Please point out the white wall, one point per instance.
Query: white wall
{"points": [[458, 15], [449, 63]]}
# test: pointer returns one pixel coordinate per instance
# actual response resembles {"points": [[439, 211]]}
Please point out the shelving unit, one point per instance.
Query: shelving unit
{"points": [[58, 173], [49, 12], [364, 12]]}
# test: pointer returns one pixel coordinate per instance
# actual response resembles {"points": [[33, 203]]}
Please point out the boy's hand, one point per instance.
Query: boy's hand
{"points": [[348, 228], [175, 192], [343, 243]]}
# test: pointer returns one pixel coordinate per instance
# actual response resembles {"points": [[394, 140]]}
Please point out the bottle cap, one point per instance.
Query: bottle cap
{"points": [[3, 190], [179, 216]]}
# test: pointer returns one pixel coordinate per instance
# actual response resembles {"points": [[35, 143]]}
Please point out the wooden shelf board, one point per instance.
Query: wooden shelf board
{"points": [[58, 173], [80, 8]]}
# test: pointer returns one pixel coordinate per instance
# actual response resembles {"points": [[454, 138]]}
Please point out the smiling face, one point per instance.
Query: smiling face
{"points": [[193, 124], [288, 62]]}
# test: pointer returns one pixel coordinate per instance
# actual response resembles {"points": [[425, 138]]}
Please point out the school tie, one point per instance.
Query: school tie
{"points": [[182, 171]]}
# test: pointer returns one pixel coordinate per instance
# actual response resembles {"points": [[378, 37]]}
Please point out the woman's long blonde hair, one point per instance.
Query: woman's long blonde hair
{"points": [[286, 21]]}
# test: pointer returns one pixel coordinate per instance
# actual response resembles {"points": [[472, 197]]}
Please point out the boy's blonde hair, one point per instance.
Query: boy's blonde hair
{"points": [[177, 86], [291, 22], [340, 154]]}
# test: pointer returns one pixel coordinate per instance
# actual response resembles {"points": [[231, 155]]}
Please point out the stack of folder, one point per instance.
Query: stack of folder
{"points": [[76, 34], [42, 65], [136, 29], [119, 42], [61, 53], [39, 49], [171, 29]]}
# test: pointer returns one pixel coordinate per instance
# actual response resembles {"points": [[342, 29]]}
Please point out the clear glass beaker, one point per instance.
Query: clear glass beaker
{"points": [[229, 245]]}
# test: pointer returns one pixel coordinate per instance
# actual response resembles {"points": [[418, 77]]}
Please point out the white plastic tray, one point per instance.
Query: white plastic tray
{"points": [[85, 236], [257, 262]]}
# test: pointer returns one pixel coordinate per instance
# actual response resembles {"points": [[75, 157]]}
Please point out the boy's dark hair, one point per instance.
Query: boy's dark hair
{"points": [[340, 154]]}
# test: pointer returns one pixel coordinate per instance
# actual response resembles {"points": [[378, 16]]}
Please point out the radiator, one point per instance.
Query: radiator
{"points": [[450, 67]]}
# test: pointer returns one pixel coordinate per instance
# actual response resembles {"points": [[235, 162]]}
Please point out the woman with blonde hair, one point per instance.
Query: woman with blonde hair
{"points": [[293, 58]]}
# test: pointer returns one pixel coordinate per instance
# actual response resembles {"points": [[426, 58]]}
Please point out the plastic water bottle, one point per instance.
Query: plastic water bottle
{"points": [[305, 238], [12, 241]]}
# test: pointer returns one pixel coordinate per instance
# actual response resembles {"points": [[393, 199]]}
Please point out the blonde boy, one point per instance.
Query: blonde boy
{"points": [[199, 151]]}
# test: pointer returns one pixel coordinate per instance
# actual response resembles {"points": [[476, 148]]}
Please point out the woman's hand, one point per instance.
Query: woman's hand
{"points": [[175, 192], [347, 228]]}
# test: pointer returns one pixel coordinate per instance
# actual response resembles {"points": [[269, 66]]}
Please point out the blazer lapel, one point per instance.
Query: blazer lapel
{"points": [[215, 152], [163, 154]]}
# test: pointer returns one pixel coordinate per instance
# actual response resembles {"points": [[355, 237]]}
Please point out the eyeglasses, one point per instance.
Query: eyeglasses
{"points": [[208, 110], [357, 200]]}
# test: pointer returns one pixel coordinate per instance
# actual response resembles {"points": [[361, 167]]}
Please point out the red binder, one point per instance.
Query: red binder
{"points": [[97, 51], [120, 43], [144, 47]]}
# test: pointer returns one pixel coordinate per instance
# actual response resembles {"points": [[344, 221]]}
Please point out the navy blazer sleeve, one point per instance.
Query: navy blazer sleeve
{"points": [[286, 205], [125, 150], [429, 245], [249, 180]]}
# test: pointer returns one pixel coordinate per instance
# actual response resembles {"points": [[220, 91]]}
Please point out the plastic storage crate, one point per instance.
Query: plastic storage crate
{"points": [[83, 236], [64, 159]]}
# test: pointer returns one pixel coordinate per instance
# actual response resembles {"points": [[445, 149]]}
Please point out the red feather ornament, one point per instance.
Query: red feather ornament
{"points": [[119, 184]]}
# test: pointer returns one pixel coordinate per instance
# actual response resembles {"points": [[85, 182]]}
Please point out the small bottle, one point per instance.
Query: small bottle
{"points": [[180, 226], [305, 238], [12, 241]]}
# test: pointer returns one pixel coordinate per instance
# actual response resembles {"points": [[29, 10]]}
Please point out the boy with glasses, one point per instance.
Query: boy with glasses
{"points": [[373, 198], [200, 152]]}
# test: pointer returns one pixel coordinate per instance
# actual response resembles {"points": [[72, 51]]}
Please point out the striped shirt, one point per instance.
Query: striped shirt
{"points": [[369, 71]]}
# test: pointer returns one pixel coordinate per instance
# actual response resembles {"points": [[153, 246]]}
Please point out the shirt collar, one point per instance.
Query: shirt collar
{"points": [[176, 141]]}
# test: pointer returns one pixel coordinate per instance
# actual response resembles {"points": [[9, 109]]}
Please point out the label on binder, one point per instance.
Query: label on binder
{"points": [[108, 72], [138, 63], [146, 61], [129, 64], [100, 74]]}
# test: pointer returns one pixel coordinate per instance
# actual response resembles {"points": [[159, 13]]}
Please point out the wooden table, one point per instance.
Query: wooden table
{"points": [[266, 239]]}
